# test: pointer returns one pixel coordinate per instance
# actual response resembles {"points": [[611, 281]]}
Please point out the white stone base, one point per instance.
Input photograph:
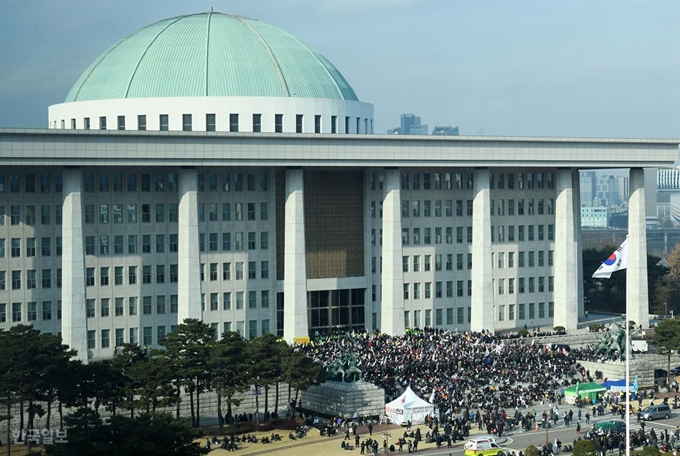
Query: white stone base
{"points": [[345, 399]]}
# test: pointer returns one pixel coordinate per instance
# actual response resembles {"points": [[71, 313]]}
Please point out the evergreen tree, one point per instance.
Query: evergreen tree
{"points": [[667, 337], [265, 365], [188, 348], [229, 371]]}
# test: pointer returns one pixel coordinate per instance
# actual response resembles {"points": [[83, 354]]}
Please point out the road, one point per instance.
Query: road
{"points": [[519, 441]]}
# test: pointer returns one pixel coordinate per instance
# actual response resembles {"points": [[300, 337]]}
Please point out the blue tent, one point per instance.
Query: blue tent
{"points": [[617, 386]]}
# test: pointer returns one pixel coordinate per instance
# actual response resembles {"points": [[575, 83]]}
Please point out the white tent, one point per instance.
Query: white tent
{"points": [[407, 407]]}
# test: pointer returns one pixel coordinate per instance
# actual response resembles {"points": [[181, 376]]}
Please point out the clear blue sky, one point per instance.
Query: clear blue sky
{"points": [[521, 68]]}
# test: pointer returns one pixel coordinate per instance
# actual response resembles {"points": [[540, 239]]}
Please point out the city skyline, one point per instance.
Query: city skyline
{"points": [[584, 69]]}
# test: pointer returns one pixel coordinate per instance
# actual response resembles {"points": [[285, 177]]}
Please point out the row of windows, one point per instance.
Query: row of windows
{"points": [[121, 213], [522, 181], [460, 181], [234, 123], [525, 285], [426, 292], [43, 182], [446, 208], [521, 314], [46, 311], [464, 261], [161, 182], [529, 259], [30, 214], [161, 243], [460, 314], [162, 331], [120, 305], [223, 301], [439, 317], [32, 247], [510, 233], [167, 273], [427, 235], [31, 277]]}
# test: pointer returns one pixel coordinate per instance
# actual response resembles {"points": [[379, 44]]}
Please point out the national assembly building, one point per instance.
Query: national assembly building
{"points": [[212, 166]]}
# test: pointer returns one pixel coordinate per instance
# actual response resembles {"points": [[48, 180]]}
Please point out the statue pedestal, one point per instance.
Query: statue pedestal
{"points": [[333, 399]]}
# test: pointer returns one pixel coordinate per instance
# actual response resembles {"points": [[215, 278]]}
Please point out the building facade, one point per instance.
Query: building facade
{"points": [[261, 208]]}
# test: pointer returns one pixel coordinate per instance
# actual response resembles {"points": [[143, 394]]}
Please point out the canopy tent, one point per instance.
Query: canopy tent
{"points": [[618, 386], [408, 407], [588, 391]]}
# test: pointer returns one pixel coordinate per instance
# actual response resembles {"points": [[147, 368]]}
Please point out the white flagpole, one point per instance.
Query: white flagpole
{"points": [[628, 351]]}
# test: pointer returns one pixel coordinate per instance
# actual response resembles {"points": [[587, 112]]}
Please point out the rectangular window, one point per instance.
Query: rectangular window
{"points": [[120, 337], [160, 273], [257, 123], [102, 123], [210, 122], [233, 123], [298, 123], [104, 307], [118, 275], [121, 122], [317, 124], [132, 182], [141, 122], [86, 123], [147, 336], [91, 339], [278, 123], [47, 310], [163, 121], [186, 122], [334, 124], [132, 306], [132, 275], [90, 308], [146, 305]]}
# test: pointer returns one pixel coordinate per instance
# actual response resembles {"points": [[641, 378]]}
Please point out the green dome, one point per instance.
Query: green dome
{"points": [[210, 54]]}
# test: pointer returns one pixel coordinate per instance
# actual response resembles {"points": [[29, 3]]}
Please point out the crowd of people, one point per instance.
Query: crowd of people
{"points": [[457, 371], [479, 379]]}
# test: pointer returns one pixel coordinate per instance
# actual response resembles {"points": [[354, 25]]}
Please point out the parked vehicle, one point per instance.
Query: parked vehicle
{"points": [[483, 446], [655, 412], [611, 425]]}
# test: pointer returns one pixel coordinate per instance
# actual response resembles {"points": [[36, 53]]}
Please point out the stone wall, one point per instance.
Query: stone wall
{"points": [[642, 365]]}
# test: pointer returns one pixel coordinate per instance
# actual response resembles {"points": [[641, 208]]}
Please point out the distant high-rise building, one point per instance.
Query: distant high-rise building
{"points": [[607, 191], [588, 186], [445, 131], [410, 125]]}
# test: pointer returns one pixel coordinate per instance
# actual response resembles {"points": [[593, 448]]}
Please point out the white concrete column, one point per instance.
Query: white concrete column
{"points": [[637, 293], [392, 278], [295, 315], [578, 239], [73, 314], [188, 256], [566, 263], [482, 273]]}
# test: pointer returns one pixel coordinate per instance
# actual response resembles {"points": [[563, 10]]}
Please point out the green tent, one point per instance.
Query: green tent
{"points": [[588, 391]]}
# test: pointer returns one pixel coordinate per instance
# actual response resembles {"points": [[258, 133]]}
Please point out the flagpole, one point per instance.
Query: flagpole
{"points": [[628, 351], [618, 261]]}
